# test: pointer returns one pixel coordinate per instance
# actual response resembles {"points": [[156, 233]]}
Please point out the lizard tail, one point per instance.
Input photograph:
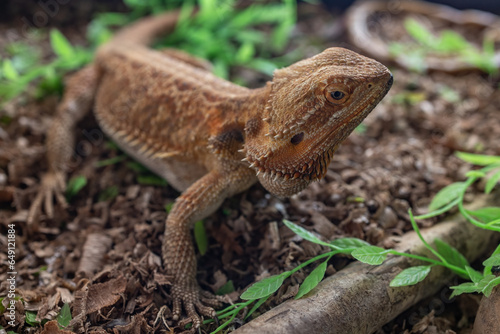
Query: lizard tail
{"points": [[146, 30]]}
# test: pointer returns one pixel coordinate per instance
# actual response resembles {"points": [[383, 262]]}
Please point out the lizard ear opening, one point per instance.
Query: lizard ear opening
{"points": [[295, 140]]}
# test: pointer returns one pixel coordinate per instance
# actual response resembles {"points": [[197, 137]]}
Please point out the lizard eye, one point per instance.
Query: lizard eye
{"points": [[336, 94]]}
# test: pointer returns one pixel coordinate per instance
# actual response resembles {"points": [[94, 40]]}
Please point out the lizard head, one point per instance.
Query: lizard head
{"points": [[313, 106]]}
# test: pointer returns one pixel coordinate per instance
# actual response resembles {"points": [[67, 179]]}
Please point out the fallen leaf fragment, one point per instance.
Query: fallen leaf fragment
{"points": [[51, 327], [93, 297], [96, 247]]}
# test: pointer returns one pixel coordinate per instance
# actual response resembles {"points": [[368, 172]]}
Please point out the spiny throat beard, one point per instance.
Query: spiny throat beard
{"points": [[308, 167]]}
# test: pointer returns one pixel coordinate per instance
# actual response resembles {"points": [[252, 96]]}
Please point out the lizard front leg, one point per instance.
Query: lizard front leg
{"points": [[198, 201], [77, 101]]}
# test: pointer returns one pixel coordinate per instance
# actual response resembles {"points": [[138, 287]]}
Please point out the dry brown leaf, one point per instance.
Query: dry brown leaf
{"points": [[51, 327], [95, 248], [93, 297]]}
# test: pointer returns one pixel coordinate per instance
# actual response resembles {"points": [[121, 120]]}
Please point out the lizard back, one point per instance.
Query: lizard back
{"points": [[163, 111]]}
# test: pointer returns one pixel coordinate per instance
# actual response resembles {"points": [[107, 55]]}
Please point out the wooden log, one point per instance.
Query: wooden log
{"points": [[358, 299]]}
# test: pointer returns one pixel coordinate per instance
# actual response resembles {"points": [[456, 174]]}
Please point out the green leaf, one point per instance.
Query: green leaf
{"points": [[304, 234], [256, 306], [450, 41], [487, 214], [245, 53], [494, 222], [468, 287], [447, 195], [484, 286], [487, 269], [449, 94], [226, 288], [344, 243], [111, 145], [151, 180], [492, 182], [475, 174], [411, 276], [451, 254], [416, 62], [420, 33], [489, 285], [370, 254], [74, 186], [64, 317], [111, 161], [137, 167], [31, 318], [492, 261], [61, 46], [169, 206], [221, 69], [111, 19], [200, 236], [312, 280], [51, 83], [262, 65], [9, 72], [474, 275], [108, 194], [478, 159], [264, 288], [488, 59]]}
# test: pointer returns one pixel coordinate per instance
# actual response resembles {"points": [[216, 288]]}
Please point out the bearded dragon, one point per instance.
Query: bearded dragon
{"points": [[209, 138]]}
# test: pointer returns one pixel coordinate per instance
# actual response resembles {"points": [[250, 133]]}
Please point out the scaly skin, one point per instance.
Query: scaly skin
{"points": [[207, 137]]}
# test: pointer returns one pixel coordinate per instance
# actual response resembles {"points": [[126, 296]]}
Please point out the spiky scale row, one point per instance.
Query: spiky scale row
{"points": [[315, 168]]}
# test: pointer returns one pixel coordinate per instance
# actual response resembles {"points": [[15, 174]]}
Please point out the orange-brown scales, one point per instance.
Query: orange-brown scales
{"points": [[210, 138]]}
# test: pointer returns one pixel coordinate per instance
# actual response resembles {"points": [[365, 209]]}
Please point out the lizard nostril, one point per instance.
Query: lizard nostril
{"points": [[297, 138]]}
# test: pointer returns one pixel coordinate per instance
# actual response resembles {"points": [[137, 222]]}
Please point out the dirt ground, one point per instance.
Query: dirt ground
{"points": [[401, 157]]}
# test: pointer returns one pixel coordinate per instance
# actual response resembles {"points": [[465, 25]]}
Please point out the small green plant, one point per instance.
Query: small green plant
{"points": [[448, 43], [64, 316], [30, 318], [144, 176], [219, 32], [259, 292], [228, 37], [200, 237], [74, 186], [111, 161], [445, 255], [25, 66]]}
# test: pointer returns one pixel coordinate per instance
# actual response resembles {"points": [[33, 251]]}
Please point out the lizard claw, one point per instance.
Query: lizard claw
{"points": [[195, 302], [52, 185]]}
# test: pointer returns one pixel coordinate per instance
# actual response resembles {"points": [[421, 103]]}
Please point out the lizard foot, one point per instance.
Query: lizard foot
{"points": [[195, 302], [52, 185]]}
